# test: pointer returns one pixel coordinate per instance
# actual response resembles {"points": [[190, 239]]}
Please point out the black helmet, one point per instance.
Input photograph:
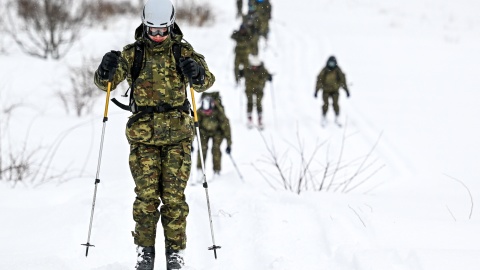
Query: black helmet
{"points": [[332, 62]]}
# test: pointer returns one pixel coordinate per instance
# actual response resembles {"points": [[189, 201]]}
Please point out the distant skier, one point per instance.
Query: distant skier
{"points": [[243, 48], [330, 79], [239, 8], [214, 125], [160, 131], [256, 75], [263, 8], [252, 22]]}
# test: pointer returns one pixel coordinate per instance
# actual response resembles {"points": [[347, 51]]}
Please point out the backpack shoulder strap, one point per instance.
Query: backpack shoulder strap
{"points": [[177, 51], [137, 61]]}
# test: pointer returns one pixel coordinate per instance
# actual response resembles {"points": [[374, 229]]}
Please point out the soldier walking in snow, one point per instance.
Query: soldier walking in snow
{"points": [[252, 22], [263, 9], [256, 75], [239, 8], [330, 79], [160, 131], [242, 38], [214, 125]]}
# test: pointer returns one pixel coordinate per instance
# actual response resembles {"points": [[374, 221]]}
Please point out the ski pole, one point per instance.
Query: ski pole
{"points": [[273, 101], [205, 184], [97, 178], [236, 168]]}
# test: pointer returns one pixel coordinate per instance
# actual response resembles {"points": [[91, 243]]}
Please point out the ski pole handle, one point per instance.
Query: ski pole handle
{"points": [[109, 89], [194, 104]]}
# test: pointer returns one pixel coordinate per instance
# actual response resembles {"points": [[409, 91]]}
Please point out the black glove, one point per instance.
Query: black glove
{"points": [[109, 62], [348, 93], [189, 67], [269, 77], [316, 94], [228, 150]]}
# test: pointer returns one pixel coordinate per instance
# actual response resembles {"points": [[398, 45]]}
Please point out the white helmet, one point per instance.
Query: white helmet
{"points": [[254, 60], [158, 13]]}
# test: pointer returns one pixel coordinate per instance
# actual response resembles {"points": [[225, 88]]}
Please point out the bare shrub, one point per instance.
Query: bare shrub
{"points": [[102, 10], [22, 163], [46, 28], [3, 49], [19, 164], [294, 172], [193, 13], [82, 96]]}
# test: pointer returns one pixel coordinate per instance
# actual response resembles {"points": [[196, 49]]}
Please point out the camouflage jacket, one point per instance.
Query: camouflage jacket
{"points": [[159, 82], [331, 80], [263, 9], [243, 41], [252, 22], [256, 77], [215, 123]]}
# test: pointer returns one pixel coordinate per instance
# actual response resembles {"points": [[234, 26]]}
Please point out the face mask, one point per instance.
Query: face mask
{"points": [[331, 64]]}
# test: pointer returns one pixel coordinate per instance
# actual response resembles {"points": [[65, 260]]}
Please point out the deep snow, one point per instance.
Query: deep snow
{"points": [[412, 67]]}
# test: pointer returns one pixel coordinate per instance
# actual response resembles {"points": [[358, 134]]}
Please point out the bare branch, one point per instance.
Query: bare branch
{"points": [[361, 220], [469, 193], [364, 161]]}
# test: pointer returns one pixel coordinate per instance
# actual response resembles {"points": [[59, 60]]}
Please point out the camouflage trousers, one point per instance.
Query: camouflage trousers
{"points": [[326, 96], [217, 140], [254, 44], [240, 59], [161, 174], [258, 93], [264, 27]]}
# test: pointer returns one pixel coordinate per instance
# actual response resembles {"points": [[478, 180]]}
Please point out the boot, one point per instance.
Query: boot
{"points": [[250, 122], [260, 123], [145, 258], [337, 121], [324, 120], [174, 259]]}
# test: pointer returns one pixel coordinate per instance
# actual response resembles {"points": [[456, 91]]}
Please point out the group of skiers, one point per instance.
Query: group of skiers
{"points": [[247, 64], [158, 66]]}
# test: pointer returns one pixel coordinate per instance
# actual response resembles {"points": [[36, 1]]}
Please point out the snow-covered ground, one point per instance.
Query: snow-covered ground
{"points": [[413, 73]]}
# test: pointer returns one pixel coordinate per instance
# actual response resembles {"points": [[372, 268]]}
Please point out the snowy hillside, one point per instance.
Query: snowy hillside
{"points": [[411, 121]]}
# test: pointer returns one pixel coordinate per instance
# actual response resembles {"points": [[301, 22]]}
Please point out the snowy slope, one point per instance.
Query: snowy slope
{"points": [[411, 66]]}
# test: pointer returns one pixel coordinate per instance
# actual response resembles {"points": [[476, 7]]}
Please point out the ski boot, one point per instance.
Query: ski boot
{"points": [[216, 174], [337, 121], [250, 122], [145, 258], [324, 120], [174, 259], [260, 123]]}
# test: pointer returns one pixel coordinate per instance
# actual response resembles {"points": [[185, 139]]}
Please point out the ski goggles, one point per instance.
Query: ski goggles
{"points": [[158, 31]]}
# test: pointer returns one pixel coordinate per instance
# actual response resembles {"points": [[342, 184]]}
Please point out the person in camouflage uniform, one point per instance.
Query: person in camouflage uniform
{"points": [[256, 75], [239, 8], [263, 8], [160, 131], [251, 21], [330, 79], [214, 125], [242, 38]]}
